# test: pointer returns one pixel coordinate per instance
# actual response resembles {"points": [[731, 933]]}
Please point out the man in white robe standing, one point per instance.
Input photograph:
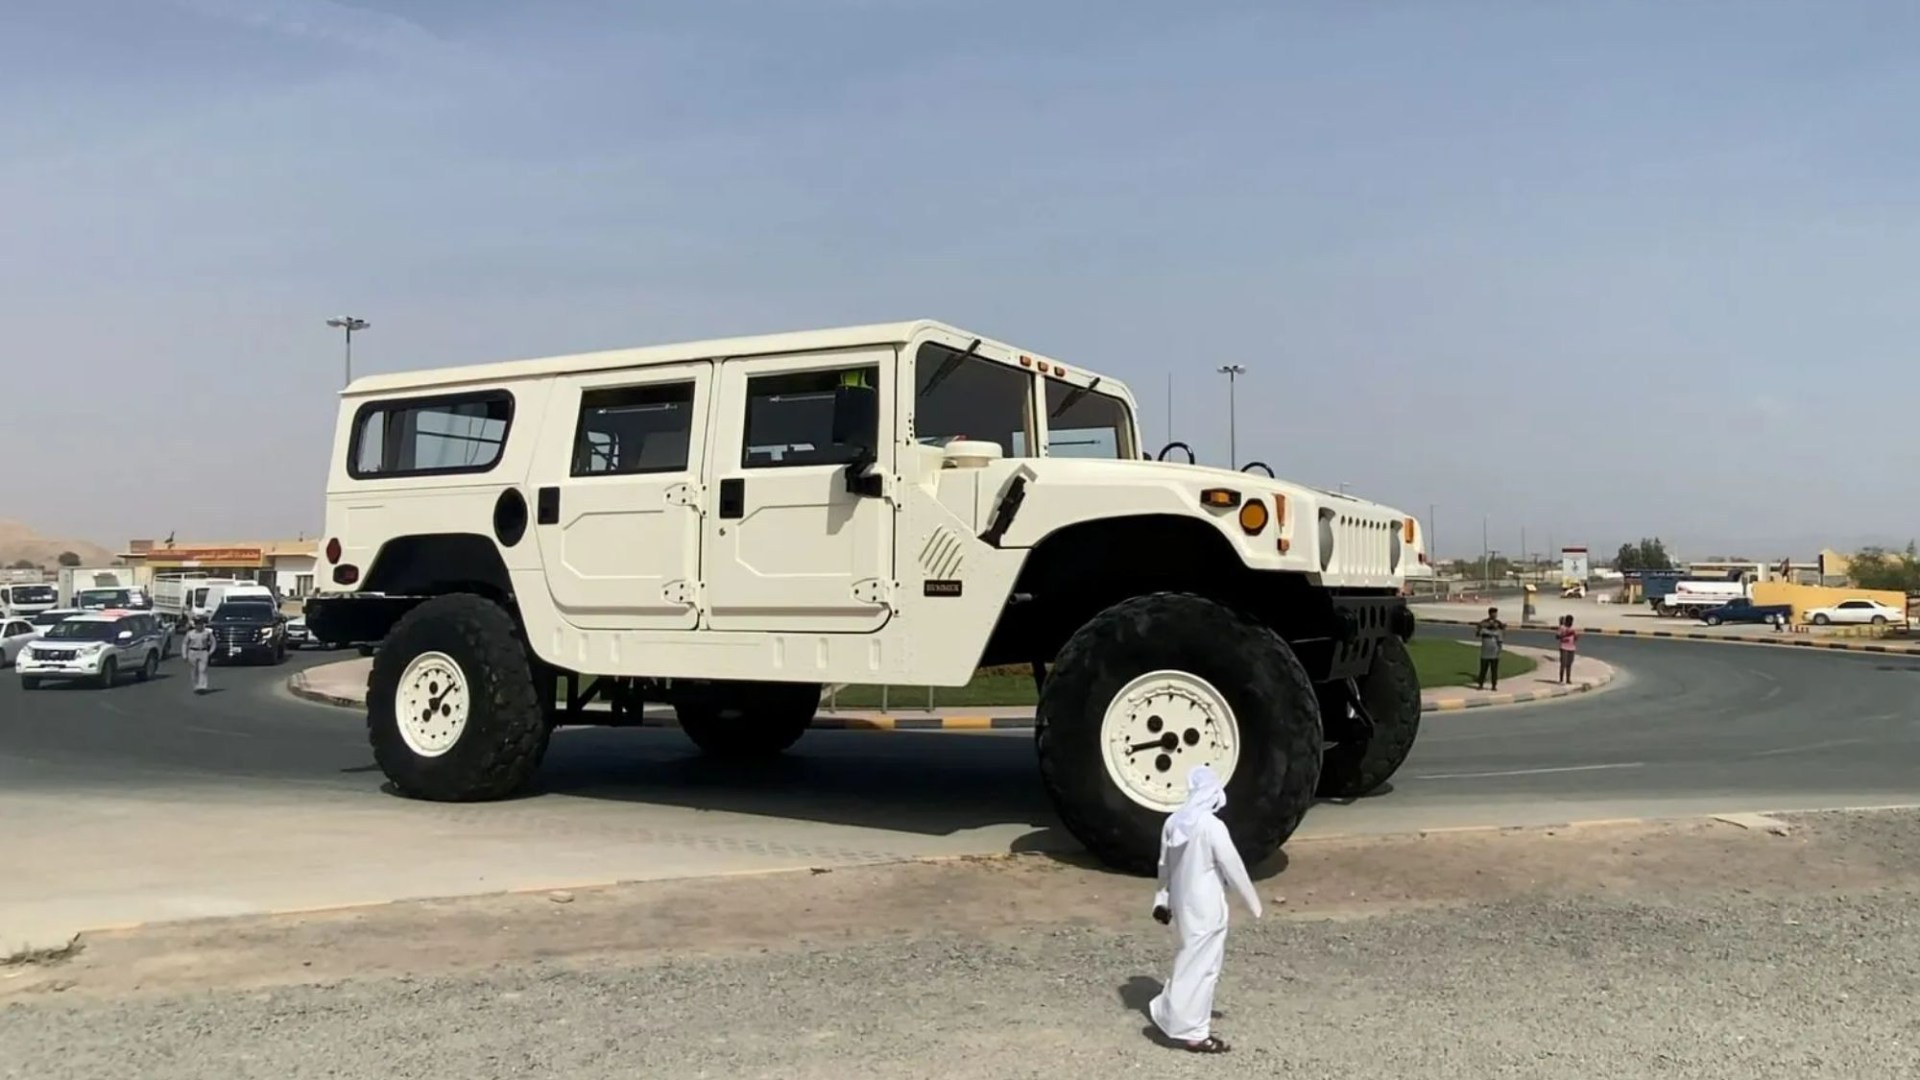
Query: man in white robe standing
{"points": [[1197, 862]]}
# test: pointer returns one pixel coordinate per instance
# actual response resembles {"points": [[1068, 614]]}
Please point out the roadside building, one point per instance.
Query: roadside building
{"points": [[285, 565]]}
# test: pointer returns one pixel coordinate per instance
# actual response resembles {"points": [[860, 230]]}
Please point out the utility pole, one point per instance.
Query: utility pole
{"points": [[1169, 407], [349, 324], [1524, 566], [1486, 553], [1433, 549], [1232, 372]]}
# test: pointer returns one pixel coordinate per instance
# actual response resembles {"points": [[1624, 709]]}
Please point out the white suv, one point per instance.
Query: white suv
{"points": [[97, 647], [726, 526]]}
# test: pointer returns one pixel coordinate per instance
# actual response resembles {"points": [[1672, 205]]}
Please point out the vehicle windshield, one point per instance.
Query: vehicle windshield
{"points": [[83, 630], [49, 618], [1084, 423], [106, 598], [958, 396], [33, 594], [200, 596], [243, 610]]}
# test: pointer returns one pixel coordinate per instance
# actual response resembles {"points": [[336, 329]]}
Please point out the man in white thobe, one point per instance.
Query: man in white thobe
{"points": [[1197, 862]]}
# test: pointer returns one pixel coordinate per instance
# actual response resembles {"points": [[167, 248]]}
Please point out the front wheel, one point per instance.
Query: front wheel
{"points": [[452, 711], [1358, 765], [1154, 686], [753, 720], [1879, 620], [1821, 619]]}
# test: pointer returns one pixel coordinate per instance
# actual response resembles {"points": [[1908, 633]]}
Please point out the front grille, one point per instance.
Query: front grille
{"points": [[228, 636], [59, 656], [1362, 546]]}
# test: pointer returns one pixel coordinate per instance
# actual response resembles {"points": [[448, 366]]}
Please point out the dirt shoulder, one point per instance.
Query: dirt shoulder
{"points": [[674, 921]]}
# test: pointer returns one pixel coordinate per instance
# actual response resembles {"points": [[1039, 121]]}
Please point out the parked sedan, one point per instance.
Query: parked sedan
{"points": [[14, 635], [1856, 612]]}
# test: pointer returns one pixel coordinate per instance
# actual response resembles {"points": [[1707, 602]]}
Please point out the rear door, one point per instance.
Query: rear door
{"points": [[617, 496]]}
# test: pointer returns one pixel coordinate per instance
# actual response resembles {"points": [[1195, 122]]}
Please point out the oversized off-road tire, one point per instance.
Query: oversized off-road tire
{"points": [[452, 710], [750, 719], [1390, 690], [1150, 688]]}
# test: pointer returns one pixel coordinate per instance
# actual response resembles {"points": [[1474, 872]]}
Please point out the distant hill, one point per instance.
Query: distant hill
{"points": [[18, 542]]}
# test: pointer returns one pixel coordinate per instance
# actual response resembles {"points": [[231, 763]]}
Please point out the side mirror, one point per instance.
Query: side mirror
{"points": [[126, 635], [856, 416]]}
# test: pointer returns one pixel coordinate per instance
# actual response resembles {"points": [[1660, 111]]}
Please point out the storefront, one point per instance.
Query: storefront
{"points": [[284, 565]]}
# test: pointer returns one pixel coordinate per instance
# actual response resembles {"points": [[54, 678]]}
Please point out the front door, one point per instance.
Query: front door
{"points": [[788, 546], [617, 505]]}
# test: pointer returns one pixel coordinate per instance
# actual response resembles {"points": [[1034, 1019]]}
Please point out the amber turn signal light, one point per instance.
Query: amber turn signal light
{"points": [[1225, 498], [1253, 516]]}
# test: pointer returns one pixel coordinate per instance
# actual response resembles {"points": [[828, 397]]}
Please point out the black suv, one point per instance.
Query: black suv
{"points": [[250, 630]]}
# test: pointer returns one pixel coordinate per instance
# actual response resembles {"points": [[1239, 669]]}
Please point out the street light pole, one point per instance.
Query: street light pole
{"points": [[1232, 372], [349, 324]]}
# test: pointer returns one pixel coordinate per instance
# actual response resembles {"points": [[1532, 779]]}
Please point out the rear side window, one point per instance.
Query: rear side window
{"points": [[634, 429], [438, 436]]}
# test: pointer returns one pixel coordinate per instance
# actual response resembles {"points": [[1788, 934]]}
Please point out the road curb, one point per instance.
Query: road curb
{"points": [[300, 686], [1778, 641]]}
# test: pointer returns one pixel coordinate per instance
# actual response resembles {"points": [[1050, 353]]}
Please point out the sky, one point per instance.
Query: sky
{"points": [[1588, 270]]}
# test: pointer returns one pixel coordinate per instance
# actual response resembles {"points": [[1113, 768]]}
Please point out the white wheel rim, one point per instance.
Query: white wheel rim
{"points": [[1158, 709], [431, 704]]}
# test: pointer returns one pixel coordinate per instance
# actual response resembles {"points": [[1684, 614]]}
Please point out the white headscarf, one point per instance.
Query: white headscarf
{"points": [[1206, 795]]}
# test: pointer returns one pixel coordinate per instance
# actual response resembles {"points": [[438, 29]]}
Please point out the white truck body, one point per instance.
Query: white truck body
{"points": [[1691, 598], [182, 598], [20, 599], [73, 579], [727, 525]]}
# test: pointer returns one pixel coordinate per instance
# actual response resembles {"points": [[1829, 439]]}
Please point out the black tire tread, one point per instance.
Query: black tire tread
{"points": [[1260, 822], [771, 720], [1391, 690], [501, 684]]}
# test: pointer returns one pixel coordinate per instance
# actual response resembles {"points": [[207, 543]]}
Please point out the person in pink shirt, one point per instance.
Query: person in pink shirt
{"points": [[1569, 642]]}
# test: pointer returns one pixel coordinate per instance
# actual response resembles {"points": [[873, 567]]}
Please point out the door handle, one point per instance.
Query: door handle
{"points": [[733, 497], [547, 512]]}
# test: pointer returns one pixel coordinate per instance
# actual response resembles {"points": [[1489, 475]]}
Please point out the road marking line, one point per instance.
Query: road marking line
{"points": [[1532, 772], [217, 731], [1806, 746]]}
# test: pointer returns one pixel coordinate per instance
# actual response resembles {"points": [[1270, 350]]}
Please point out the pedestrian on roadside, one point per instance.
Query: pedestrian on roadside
{"points": [[198, 649], [1569, 639], [1197, 862], [1492, 634], [1779, 622]]}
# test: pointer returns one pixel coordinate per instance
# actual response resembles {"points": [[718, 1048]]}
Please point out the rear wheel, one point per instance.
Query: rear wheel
{"points": [[1713, 620], [1154, 686], [149, 669], [452, 711], [750, 719]]}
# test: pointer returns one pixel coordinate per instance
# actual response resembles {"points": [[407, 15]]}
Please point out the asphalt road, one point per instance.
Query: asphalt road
{"points": [[229, 800]]}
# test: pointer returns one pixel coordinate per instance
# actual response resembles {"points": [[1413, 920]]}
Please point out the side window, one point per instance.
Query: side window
{"points": [[957, 396], [634, 429], [463, 434], [1085, 424], [790, 418]]}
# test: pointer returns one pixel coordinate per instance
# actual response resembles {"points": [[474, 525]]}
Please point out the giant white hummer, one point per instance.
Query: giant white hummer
{"points": [[724, 527]]}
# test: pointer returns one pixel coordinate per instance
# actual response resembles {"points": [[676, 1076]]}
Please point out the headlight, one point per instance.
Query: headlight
{"points": [[266, 632]]}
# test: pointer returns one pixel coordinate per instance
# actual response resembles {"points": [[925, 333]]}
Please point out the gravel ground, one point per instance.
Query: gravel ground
{"points": [[1735, 981]]}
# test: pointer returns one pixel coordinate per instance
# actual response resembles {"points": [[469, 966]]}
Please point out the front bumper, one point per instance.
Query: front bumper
{"points": [[86, 667]]}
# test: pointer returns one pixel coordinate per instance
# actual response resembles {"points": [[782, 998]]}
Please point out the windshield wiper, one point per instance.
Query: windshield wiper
{"points": [[1073, 398], [948, 366]]}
